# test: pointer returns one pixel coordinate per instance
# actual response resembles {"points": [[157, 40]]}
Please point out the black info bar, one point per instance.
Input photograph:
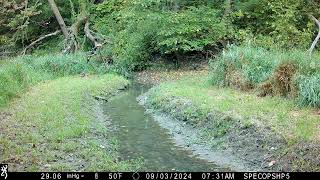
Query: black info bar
{"points": [[159, 175]]}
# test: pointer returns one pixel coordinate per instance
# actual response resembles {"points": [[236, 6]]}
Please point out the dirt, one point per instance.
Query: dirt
{"points": [[190, 138], [4, 115], [155, 77]]}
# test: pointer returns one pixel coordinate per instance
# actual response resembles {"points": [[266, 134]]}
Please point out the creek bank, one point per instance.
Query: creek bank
{"points": [[190, 138], [141, 137], [59, 126], [252, 139]]}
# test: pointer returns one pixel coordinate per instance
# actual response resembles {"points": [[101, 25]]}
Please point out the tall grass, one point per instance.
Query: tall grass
{"points": [[309, 90], [17, 74], [256, 65]]}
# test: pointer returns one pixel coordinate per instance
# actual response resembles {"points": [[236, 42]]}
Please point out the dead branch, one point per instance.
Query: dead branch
{"points": [[314, 43], [38, 40], [93, 39]]}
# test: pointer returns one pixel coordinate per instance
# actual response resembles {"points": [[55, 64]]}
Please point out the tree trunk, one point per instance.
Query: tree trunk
{"points": [[59, 18]]}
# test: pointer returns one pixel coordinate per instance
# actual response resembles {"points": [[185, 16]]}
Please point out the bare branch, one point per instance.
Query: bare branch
{"points": [[314, 43], [38, 40], [92, 38]]}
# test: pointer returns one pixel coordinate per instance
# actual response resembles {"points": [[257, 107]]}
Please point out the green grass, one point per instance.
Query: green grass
{"points": [[193, 98], [58, 126], [255, 65], [18, 74]]}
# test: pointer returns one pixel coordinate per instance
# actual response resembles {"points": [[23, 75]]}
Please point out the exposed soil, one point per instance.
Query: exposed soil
{"points": [[190, 138], [155, 77]]}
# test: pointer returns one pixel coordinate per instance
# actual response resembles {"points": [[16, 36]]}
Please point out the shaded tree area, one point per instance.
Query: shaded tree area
{"points": [[130, 33]]}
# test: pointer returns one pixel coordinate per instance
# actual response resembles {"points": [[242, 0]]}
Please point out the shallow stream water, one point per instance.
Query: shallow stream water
{"points": [[140, 136]]}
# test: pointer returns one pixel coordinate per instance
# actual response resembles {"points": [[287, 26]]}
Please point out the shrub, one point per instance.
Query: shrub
{"points": [[190, 30], [284, 22]]}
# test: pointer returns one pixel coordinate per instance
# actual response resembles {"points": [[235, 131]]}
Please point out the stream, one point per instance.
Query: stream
{"points": [[140, 136]]}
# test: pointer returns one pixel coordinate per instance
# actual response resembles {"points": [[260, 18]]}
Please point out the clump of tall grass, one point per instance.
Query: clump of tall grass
{"points": [[17, 74], [309, 90], [254, 67]]}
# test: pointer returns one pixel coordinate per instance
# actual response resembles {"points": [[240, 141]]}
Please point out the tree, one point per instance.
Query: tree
{"points": [[71, 33]]}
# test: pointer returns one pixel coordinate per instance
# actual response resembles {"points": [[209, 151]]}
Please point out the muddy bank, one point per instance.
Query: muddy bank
{"points": [[227, 139], [192, 138]]}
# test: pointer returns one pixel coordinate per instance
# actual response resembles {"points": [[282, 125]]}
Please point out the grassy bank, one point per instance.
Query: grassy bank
{"points": [[57, 126], [293, 74], [260, 130], [18, 74]]}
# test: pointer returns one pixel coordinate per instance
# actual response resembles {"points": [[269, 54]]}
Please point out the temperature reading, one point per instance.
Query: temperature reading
{"points": [[115, 176]]}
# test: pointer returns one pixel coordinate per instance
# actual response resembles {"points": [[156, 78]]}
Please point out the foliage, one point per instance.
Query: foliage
{"points": [[190, 30], [24, 21], [140, 29], [285, 22], [309, 90]]}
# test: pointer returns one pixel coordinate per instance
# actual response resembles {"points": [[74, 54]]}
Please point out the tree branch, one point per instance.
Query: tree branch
{"points": [[314, 43], [92, 38], [38, 40]]}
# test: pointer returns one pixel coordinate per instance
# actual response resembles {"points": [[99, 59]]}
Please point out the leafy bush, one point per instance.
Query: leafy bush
{"points": [[190, 30], [134, 44], [284, 22]]}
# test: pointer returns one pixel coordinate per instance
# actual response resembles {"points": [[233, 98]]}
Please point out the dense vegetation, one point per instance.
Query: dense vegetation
{"points": [[140, 30], [291, 74]]}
